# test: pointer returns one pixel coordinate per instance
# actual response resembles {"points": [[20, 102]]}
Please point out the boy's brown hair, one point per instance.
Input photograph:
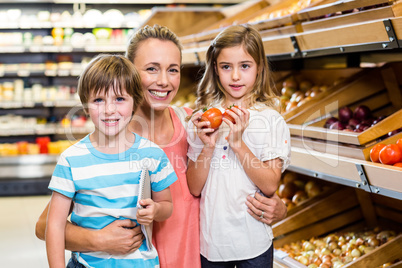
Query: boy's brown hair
{"points": [[106, 72]]}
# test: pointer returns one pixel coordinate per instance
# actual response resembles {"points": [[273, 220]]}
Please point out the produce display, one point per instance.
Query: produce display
{"points": [[337, 249], [296, 93], [390, 154], [293, 189], [357, 121], [42, 145]]}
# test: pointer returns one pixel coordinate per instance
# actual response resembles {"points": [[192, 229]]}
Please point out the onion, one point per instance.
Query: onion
{"points": [[287, 190], [337, 125], [330, 121], [362, 112], [345, 114], [353, 122]]}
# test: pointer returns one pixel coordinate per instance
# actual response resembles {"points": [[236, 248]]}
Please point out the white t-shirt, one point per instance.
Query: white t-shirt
{"points": [[227, 231]]}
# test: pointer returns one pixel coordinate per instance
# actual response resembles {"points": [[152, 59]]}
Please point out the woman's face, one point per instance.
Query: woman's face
{"points": [[158, 63]]}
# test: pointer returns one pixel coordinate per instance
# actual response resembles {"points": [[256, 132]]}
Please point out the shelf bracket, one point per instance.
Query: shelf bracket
{"points": [[365, 183], [393, 40], [295, 46]]}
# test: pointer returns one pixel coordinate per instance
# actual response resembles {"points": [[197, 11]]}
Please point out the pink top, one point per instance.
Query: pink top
{"points": [[177, 239]]}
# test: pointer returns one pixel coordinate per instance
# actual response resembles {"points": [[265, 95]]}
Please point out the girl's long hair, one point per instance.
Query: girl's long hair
{"points": [[210, 92]]}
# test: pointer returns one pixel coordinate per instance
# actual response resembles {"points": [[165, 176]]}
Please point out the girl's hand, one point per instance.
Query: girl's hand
{"points": [[241, 117], [206, 134], [146, 215]]}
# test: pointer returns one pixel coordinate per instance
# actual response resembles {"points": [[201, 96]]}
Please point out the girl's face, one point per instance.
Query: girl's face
{"points": [[110, 113], [158, 63], [237, 72]]}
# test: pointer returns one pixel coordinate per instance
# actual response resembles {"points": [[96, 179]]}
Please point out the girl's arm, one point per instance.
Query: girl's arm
{"points": [[159, 208], [264, 174], [197, 172], [119, 237], [55, 232]]}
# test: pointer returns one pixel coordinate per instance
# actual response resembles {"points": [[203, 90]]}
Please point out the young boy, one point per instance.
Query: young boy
{"points": [[98, 177]]}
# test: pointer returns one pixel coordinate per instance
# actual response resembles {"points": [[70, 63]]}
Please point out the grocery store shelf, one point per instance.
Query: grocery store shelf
{"points": [[30, 104], [27, 167], [63, 49], [133, 2], [372, 177], [48, 129]]}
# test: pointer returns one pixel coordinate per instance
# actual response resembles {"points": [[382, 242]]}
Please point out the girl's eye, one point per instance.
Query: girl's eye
{"points": [[225, 67], [245, 66]]}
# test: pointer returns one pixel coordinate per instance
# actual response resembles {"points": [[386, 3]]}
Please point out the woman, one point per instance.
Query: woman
{"points": [[156, 53]]}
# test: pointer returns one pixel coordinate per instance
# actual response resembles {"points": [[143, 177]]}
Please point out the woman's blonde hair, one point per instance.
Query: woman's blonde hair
{"points": [[158, 32], [110, 72], [211, 92]]}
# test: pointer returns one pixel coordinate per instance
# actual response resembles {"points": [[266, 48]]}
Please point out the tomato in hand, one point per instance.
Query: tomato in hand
{"points": [[375, 151], [214, 116], [390, 154], [228, 116]]}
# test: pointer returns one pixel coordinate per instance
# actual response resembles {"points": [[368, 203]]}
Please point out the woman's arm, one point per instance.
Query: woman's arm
{"points": [[119, 237], [273, 207], [55, 232]]}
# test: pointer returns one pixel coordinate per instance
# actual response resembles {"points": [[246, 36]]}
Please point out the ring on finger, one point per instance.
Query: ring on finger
{"points": [[262, 214]]}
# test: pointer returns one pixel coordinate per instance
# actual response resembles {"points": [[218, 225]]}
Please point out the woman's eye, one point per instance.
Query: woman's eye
{"points": [[151, 69], [174, 70]]}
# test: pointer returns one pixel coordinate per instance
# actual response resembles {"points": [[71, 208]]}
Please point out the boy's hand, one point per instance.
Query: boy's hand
{"points": [[146, 215]]}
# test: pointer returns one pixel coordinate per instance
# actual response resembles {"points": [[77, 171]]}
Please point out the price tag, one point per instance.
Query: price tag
{"points": [[50, 72], [23, 73]]}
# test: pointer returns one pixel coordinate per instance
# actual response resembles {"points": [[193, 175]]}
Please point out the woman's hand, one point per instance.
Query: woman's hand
{"points": [[120, 237], [206, 134], [241, 117], [273, 207]]}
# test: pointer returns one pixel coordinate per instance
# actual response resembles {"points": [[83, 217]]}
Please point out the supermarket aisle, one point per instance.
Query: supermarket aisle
{"points": [[19, 247]]}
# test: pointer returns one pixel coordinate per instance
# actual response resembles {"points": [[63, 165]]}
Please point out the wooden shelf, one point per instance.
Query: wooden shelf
{"points": [[372, 177]]}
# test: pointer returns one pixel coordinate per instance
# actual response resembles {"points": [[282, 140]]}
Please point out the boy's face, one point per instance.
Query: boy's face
{"points": [[109, 112]]}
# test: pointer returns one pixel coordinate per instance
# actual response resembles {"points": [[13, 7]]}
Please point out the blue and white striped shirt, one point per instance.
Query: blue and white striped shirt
{"points": [[104, 188]]}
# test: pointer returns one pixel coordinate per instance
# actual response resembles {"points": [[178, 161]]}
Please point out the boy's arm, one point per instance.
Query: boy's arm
{"points": [[119, 237], [159, 208], [55, 232]]}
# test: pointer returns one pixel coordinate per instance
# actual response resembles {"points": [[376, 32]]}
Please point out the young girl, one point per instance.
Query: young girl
{"points": [[100, 174], [239, 158]]}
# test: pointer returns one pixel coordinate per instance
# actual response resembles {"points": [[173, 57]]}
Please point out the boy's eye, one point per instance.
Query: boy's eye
{"points": [[97, 100], [120, 99]]}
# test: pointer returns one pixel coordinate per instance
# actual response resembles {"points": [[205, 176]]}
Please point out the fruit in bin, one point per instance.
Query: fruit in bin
{"points": [[399, 164], [287, 91], [213, 115], [290, 82], [362, 112], [345, 114], [337, 125], [298, 197], [291, 105], [289, 177], [330, 121], [353, 122], [390, 154], [375, 152], [287, 190], [305, 85]]}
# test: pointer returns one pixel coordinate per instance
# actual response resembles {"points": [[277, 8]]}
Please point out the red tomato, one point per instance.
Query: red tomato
{"points": [[228, 116], [390, 154], [399, 164], [399, 143], [214, 116], [375, 151]]}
